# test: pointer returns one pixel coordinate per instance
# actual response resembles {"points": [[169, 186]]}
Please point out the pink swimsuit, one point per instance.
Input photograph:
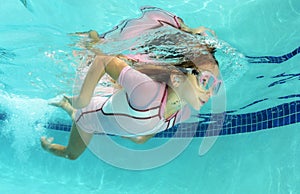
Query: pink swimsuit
{"points": [[136, 109]]}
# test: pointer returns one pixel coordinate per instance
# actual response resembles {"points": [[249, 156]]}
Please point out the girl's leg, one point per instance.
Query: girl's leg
{"points": [[66, 106], [78, 142], [78, 139]]}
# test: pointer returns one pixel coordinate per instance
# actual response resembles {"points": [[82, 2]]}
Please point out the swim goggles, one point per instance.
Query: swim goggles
{"points": [[205, 79]]}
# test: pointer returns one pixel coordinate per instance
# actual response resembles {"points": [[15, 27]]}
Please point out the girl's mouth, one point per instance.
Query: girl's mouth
{"points": [[202, 101]]}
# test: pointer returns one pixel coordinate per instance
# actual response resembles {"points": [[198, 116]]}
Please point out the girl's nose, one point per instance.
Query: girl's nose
{"points": [[205, 97], [209, 93]]}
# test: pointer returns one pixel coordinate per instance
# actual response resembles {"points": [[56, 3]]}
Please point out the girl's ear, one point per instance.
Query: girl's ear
{"points": [[175, 80]]}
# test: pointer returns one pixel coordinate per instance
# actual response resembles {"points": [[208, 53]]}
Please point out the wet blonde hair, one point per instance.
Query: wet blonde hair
{"points": [[162, 72]]}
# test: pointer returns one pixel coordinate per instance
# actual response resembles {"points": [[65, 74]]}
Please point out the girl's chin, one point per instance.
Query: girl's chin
{"points": [[197, 107]]}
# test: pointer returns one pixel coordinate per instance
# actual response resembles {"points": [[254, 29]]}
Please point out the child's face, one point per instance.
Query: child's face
{"points": [[192, 92]]}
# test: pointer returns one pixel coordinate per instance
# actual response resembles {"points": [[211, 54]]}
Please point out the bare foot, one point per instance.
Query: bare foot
{"points": [[63, 103], [46, 142]]}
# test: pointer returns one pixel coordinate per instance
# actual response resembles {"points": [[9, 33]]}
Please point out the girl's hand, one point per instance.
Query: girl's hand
{"points": [[202, 29]]}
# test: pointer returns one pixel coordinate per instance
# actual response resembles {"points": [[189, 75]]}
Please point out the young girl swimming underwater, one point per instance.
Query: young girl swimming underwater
{"points": [[153, 96]]}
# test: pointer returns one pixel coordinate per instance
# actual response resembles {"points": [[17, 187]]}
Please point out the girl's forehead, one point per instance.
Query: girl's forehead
{"points": [[213, 68]]}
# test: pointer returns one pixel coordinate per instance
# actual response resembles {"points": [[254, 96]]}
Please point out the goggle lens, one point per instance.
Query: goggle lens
{"points": [[208, 81]]}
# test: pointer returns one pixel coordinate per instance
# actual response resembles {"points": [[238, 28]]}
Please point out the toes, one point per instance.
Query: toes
{"points": [[57, 104], [46, 142], [60, 103]]}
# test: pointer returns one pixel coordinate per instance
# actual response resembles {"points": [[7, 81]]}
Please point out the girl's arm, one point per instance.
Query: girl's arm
{"points": [[102, 64], [198, 30], [91, 38]]}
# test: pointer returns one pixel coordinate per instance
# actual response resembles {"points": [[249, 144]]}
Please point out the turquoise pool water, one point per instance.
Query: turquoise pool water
{"points": [[36, 65]]}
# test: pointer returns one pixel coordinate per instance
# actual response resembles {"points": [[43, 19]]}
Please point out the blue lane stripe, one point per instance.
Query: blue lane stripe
{"points": [[273, 59], [281, 115]]}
